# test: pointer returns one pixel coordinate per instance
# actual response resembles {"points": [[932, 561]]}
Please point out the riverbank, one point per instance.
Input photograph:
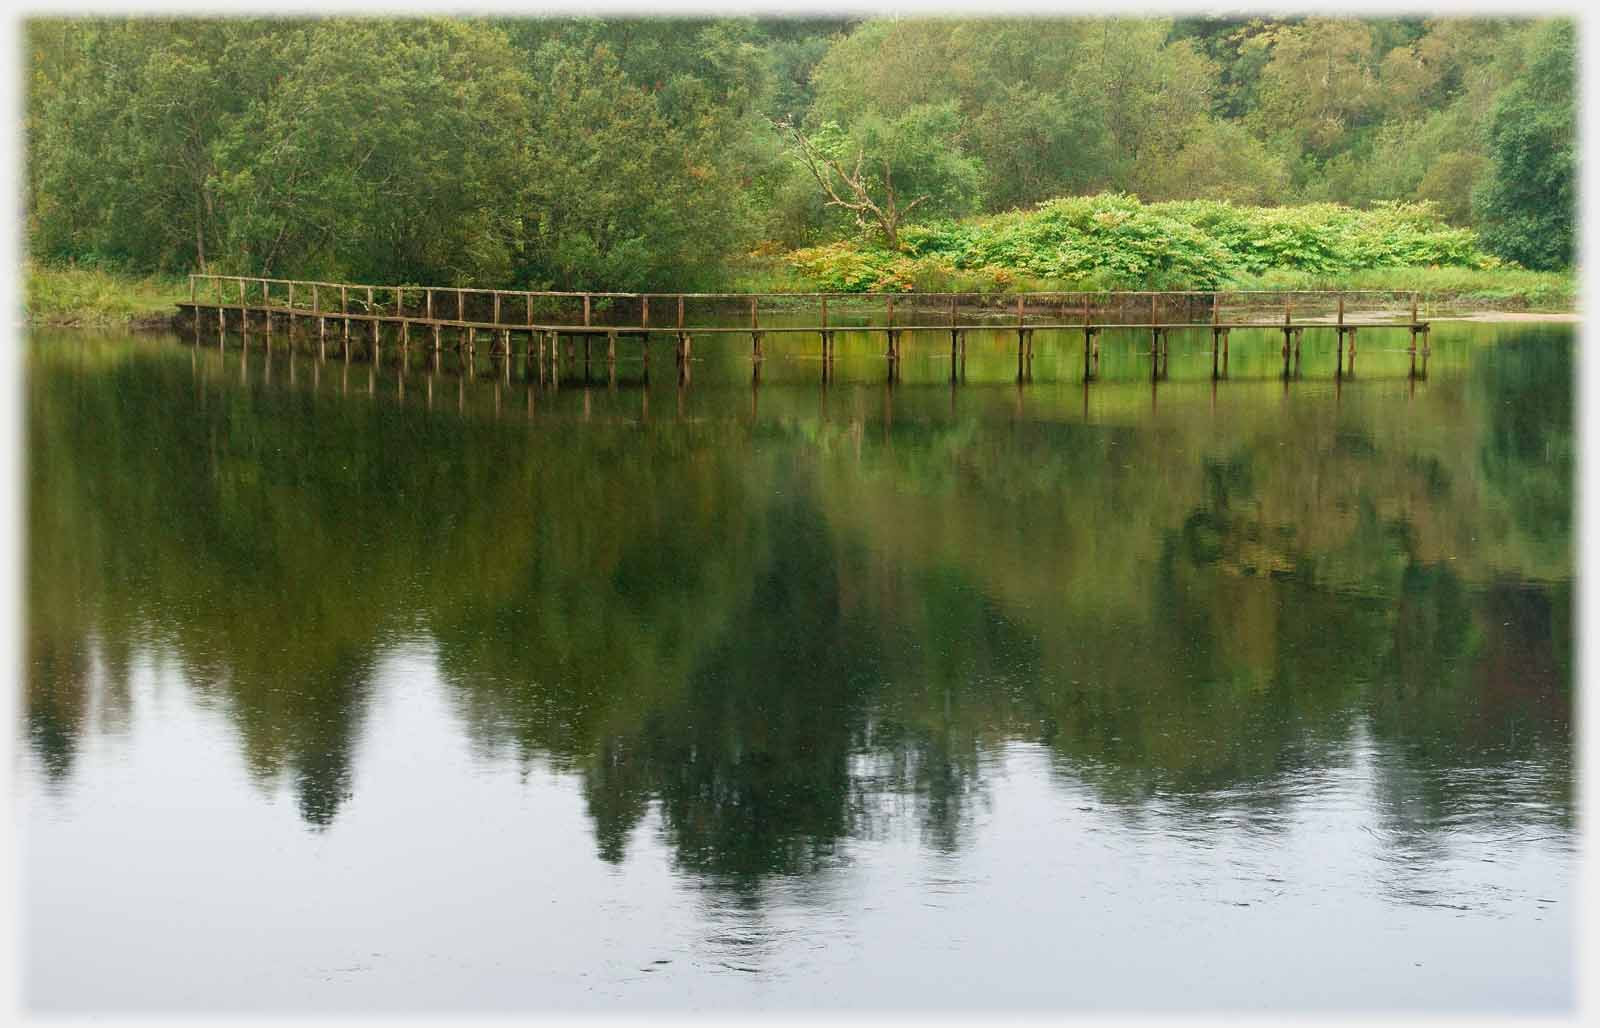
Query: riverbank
{"points": [[74, 297], [1500, 289], [87, 298]]}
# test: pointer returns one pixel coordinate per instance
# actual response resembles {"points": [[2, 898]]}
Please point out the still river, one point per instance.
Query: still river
{"points": [[355, 689]]}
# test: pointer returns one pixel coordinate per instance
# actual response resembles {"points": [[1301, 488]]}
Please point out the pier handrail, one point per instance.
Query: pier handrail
{"points": [[196, 277], [1053, 310]]}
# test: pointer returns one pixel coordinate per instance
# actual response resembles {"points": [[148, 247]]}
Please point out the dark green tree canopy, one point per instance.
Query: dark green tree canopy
{"points": [[1528, 200]]}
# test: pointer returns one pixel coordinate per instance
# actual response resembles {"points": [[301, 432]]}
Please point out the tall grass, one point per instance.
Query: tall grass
{"points": [[91, 296]]}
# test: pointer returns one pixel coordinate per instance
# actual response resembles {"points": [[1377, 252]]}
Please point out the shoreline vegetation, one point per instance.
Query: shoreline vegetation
{"points": [[92, 298], [1434, 155]]}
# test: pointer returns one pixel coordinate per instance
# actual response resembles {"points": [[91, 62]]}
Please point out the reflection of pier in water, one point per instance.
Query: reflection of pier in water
{"points": [[474, 385], [549, 320]]}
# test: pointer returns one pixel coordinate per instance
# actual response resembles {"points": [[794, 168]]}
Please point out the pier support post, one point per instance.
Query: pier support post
{"points": [[755, 333], [1288, 307]]}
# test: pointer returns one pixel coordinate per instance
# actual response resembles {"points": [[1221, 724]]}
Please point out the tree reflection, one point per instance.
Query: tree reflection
{"points": [[773, 639]]}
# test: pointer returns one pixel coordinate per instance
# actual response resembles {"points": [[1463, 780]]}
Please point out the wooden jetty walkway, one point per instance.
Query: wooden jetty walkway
{"points": [[457, 317]]}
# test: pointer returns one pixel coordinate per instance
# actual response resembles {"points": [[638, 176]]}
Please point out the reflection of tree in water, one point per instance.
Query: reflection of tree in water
{"points": [[301, 720], [150, 496], [1526, 449], [1474, 705], [55, 691], [1476, 697], [750, 765], [705, 631]]}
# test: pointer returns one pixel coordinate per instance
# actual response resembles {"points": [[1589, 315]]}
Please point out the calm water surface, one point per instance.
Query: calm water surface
{"points": [[352, 689]]}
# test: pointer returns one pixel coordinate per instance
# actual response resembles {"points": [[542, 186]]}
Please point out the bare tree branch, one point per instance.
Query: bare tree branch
{"points": [[887, 216]]}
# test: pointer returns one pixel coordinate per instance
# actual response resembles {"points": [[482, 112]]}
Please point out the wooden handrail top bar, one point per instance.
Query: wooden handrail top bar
{"points": [[604, 330], [911, 296]]}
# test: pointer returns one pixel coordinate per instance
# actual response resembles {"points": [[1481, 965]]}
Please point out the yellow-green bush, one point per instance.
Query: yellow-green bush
{"points": [[1113, 241]]}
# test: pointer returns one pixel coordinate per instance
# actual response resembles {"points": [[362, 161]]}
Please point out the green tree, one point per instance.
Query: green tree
{"points": [[615, 192], [383, 152], [882, 170], [1527, 205], [1319, 83]]}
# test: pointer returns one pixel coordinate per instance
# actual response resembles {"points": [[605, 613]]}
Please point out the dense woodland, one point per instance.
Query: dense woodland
{"points": [[628, 153]]}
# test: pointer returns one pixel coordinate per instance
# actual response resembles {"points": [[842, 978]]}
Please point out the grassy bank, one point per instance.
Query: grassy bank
{"points": [[73, 296], [91, 297], [1496, 289]]}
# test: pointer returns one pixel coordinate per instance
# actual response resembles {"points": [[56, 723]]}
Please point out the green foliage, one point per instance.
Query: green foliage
{"points": [[881, 169], [92, 296], [1114, 241], [1514, 288], [633, 153], [616, 192], [1528, 203], [1319, 83]]}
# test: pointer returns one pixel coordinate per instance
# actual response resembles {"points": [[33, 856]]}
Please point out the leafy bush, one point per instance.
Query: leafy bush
{"points": [[1113, 241]]}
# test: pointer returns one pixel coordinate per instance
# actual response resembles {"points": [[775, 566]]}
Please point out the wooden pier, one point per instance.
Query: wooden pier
{"points": [[454, 317]]}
